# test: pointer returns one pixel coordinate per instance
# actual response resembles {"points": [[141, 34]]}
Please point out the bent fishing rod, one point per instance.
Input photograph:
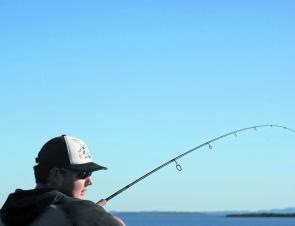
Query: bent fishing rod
{"points": [[207, 143]]}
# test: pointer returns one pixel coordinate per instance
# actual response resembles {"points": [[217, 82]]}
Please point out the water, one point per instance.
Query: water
{"points": [[194, 219]]}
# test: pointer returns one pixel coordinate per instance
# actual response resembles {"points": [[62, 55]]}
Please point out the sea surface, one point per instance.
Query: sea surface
{"points": [[196, 219]]}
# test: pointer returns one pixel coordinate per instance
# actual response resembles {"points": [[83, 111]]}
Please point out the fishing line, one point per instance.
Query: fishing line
{"points": [[207, 143]]}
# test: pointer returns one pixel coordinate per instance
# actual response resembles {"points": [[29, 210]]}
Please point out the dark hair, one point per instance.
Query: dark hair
{"points": [[41, 174]]}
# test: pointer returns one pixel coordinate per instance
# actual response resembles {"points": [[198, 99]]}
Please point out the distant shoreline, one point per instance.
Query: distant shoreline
{"points": [[262, 215], [232, 215]]}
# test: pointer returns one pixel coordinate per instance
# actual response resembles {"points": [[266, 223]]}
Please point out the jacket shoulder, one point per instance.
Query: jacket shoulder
{"points": [[87, 213], [53, 216]]}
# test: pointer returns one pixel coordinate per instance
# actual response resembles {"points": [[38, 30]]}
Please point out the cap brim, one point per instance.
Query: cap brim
{"points": [[90, 166]]}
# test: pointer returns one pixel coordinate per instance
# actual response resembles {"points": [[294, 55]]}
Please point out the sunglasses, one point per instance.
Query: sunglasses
{"points": [[81, 174]]}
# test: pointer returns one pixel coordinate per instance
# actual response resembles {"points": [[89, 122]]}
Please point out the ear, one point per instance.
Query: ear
{"points": [[54, 178]]}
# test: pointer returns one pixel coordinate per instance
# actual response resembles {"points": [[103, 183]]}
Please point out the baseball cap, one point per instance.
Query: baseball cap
{"points": [[66, 152]]}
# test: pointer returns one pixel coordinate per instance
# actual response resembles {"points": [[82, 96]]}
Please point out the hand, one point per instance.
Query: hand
{"points": [[101, 202], [119, 220]]}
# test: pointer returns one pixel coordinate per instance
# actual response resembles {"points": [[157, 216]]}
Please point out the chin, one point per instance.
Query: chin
{"points": [[80, 196]]}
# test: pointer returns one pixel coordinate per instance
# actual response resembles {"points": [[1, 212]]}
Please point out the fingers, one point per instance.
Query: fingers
{"points": [[101, 202], [119, 220]]}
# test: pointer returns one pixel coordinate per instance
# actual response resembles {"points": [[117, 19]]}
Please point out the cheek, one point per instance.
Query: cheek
{"points": [[78, 186]]}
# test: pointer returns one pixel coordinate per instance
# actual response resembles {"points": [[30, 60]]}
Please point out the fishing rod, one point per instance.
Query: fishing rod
{"points": [[179, 168]]}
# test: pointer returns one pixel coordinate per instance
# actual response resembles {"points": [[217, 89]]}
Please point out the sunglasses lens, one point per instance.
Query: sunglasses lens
{"points": [[84, 174]]}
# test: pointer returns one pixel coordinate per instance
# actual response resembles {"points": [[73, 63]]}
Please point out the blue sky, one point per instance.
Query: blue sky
{"points": [[143, 81]]}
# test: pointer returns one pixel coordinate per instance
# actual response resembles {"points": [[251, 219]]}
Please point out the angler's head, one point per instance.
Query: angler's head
{"points": [[65, 163]]}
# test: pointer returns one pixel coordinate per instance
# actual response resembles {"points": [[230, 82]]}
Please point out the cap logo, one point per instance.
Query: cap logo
{"points": [[83, 152], [77, 151]]}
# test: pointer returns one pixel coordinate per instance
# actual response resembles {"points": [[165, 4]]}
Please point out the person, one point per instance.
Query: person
{"points": [[63, 175]]}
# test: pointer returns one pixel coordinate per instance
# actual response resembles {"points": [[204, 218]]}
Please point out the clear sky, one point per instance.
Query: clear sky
{"points": [[143, 81]]}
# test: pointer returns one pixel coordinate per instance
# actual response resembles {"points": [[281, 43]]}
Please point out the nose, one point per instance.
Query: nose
{"points": [[88, 181]]}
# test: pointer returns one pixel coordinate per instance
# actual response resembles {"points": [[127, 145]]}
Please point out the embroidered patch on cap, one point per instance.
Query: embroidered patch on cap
{"points": [[77, 150]]}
